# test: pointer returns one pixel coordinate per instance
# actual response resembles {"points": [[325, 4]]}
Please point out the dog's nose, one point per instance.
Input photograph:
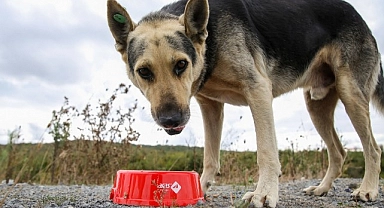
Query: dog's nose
{"points": [[172, 117], [170, 120]]}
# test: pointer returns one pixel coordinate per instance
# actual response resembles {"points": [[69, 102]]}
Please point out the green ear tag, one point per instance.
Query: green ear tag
{"points": [[119, 18]]}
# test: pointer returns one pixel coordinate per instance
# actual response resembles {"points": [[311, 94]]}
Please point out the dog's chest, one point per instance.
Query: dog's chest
{"points": [[223, 92]]}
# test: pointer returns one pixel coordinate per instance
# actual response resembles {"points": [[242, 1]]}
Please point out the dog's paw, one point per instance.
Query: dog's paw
{"points": [[266, 193], [365, 195], [261, 200], [316, 190], [206, 184], [207, 179], [253, 199]]}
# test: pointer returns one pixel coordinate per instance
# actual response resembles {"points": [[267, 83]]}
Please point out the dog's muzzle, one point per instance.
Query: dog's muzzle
{"points": [[173, 120]]}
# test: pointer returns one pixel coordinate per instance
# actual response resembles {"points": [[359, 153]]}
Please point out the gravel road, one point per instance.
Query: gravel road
{"points": [[26, 195]]}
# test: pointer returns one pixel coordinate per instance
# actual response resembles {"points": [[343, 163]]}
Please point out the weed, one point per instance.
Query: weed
{"points": [[90, 145], [13, 137], [159, 193]]}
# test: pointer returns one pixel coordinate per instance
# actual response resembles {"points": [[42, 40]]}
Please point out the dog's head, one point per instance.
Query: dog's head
{"points": [[164, 57]]}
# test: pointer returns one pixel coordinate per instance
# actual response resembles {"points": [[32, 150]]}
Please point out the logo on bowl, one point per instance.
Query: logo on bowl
{"points": [[175, 187]]}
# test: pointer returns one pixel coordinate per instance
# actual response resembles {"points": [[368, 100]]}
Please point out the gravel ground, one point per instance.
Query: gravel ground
{"points": [[26, 195]]}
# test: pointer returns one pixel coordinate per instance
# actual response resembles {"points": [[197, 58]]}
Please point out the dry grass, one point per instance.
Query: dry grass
{"points": [[102, 145]]}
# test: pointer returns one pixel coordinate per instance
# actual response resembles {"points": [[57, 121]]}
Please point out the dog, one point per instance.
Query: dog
{"points": [[247, 52]]}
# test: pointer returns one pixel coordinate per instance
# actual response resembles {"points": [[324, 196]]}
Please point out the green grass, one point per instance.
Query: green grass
{"points": [[90, 162]]}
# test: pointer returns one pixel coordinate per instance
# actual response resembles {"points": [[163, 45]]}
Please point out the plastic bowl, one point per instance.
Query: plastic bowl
{"points": [[156, 188]]}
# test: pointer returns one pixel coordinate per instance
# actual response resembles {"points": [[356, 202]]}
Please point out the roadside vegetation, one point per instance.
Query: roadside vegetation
{"points": [[92, 152]]}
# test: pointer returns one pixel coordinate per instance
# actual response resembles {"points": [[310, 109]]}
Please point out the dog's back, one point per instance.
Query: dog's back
{"points": [[289, 33]]}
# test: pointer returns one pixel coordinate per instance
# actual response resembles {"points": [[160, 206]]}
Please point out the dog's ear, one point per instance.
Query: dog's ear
{"points": [[196, 17], [120, 24]]}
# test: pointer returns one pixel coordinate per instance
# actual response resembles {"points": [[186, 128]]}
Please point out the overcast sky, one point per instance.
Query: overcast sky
{"points": [[51, 49]]}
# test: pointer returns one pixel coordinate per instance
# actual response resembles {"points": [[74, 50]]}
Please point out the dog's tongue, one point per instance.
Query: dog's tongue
{"points": [[176, 130], [180, 128]]}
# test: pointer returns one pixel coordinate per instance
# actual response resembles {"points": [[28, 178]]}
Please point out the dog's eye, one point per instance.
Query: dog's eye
{"points": [[180, 67], [145, 73]]}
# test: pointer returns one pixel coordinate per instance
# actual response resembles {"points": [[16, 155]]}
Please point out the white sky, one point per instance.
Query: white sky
{"points": [[51, 49]]}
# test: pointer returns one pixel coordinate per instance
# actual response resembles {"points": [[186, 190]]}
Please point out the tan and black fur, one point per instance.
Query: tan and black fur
{"points": [[247, 52]]}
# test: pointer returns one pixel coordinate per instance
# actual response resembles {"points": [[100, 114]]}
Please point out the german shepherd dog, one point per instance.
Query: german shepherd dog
{"points": [[247, 52]]}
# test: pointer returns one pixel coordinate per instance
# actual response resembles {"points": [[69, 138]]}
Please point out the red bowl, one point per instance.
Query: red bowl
{"points": [[156, 188]]}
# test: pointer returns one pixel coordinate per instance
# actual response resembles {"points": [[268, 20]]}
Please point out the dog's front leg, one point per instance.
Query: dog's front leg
{"points": [[212, 112], [259, 99]]}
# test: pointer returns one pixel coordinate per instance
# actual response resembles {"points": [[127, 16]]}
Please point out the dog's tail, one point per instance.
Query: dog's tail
{"points": [[378, 96]]}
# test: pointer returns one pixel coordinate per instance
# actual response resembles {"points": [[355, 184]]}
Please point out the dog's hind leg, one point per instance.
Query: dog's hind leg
{"points": [[356, 102], [213, 115], [322, 115]]}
